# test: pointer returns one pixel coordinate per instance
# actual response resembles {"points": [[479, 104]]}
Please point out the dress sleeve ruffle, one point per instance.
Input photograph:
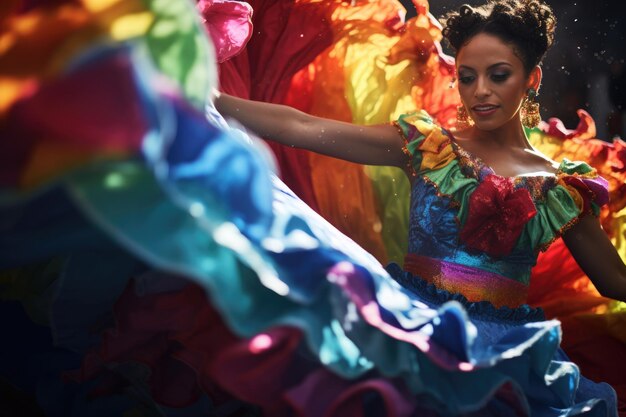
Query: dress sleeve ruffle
{"points": [[425, 143], [578, 191], [585, 186]]}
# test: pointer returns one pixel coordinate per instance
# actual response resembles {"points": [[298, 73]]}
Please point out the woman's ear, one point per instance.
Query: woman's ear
{"points": [[534, 79]]}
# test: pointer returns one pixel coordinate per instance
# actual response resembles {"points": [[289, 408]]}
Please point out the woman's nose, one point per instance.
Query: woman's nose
{"points": [[482, 88]]}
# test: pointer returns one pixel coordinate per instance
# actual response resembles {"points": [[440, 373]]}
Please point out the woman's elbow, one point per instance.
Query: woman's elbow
{"points": [[610, 294], [617, 291]]}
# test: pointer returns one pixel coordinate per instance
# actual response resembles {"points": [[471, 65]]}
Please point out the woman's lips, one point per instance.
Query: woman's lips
{"points": [[484, 110]]}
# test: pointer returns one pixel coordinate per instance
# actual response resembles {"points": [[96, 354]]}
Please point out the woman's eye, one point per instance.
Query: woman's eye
{"points": [[499, 77], [466, 79]]}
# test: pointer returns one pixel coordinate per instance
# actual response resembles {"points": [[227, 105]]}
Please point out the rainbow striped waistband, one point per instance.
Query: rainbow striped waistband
{"points": [[473, 283]]}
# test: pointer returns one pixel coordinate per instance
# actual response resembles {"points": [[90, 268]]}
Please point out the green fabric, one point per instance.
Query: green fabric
{"points": [[574, 167], [553, 213], [180, 48], [393, 192]]}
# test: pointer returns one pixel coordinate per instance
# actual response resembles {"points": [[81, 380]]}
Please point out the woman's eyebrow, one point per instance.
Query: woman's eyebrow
{"points": [[497, 64]]}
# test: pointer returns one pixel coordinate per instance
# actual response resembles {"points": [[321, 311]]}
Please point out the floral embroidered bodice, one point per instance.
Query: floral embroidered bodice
{"points": [[478, 233]]}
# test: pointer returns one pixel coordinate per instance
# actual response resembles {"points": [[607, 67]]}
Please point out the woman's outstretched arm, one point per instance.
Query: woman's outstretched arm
{"points": [[597, 257], [371, 145]]}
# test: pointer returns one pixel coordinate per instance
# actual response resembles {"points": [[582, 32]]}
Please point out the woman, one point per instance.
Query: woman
{"points": [[499, 47]]}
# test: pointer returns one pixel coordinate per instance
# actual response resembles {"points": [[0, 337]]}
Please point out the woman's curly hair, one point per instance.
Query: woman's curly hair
{"points": [[526, 24]]}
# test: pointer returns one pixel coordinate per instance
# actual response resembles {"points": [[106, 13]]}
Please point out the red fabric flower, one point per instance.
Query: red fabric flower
{"points": [[497, 214]]}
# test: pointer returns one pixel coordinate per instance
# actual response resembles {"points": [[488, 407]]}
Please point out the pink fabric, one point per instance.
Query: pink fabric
{"points": [[323, 394], [229, 23], [345, 275], [473, 283]]}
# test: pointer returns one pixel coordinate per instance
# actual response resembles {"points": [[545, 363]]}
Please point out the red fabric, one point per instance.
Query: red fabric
{"points": [[559, 286], [188, 349], [496, 216], [323, 394], [586, 128], [590, 341], [287, 37], [235, 76], [618, 160], [112, 122]]}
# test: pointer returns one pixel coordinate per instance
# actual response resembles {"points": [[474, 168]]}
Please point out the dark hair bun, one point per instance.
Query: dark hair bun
{"points": [[527, 24]]}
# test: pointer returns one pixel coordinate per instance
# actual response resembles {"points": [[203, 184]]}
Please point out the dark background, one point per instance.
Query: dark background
{"points": [[585, 67]]}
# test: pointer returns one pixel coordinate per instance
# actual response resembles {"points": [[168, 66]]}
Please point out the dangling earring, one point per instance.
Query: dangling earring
{"points": [[463, 121], [530, 110]]}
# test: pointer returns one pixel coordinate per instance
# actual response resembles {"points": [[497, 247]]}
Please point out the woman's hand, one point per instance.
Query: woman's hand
{"points": [[371, 145], [597, 257]]}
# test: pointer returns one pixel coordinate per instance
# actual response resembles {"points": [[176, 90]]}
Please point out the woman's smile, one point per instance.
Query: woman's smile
{"points": [[483, 110]]}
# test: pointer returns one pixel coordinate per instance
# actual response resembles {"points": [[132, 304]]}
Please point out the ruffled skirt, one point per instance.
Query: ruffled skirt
{"points": [[152, 264], [216, 288]]}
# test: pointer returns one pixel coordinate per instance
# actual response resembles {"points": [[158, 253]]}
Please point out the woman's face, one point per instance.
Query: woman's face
{"points": [[492, 81]]}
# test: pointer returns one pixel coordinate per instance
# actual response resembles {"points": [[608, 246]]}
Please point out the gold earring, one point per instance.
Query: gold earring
{"points": [[463, 120], [530, 110]]}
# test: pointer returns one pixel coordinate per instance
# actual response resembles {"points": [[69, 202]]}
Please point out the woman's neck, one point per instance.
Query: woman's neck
{"points": [[510, 135]]}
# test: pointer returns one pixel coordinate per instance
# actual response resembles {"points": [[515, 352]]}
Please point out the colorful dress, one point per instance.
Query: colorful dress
{"points": [[152, 264]]}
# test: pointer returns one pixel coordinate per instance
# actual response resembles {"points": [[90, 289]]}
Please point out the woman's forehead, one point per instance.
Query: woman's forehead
{"points": [[485, 50]]}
